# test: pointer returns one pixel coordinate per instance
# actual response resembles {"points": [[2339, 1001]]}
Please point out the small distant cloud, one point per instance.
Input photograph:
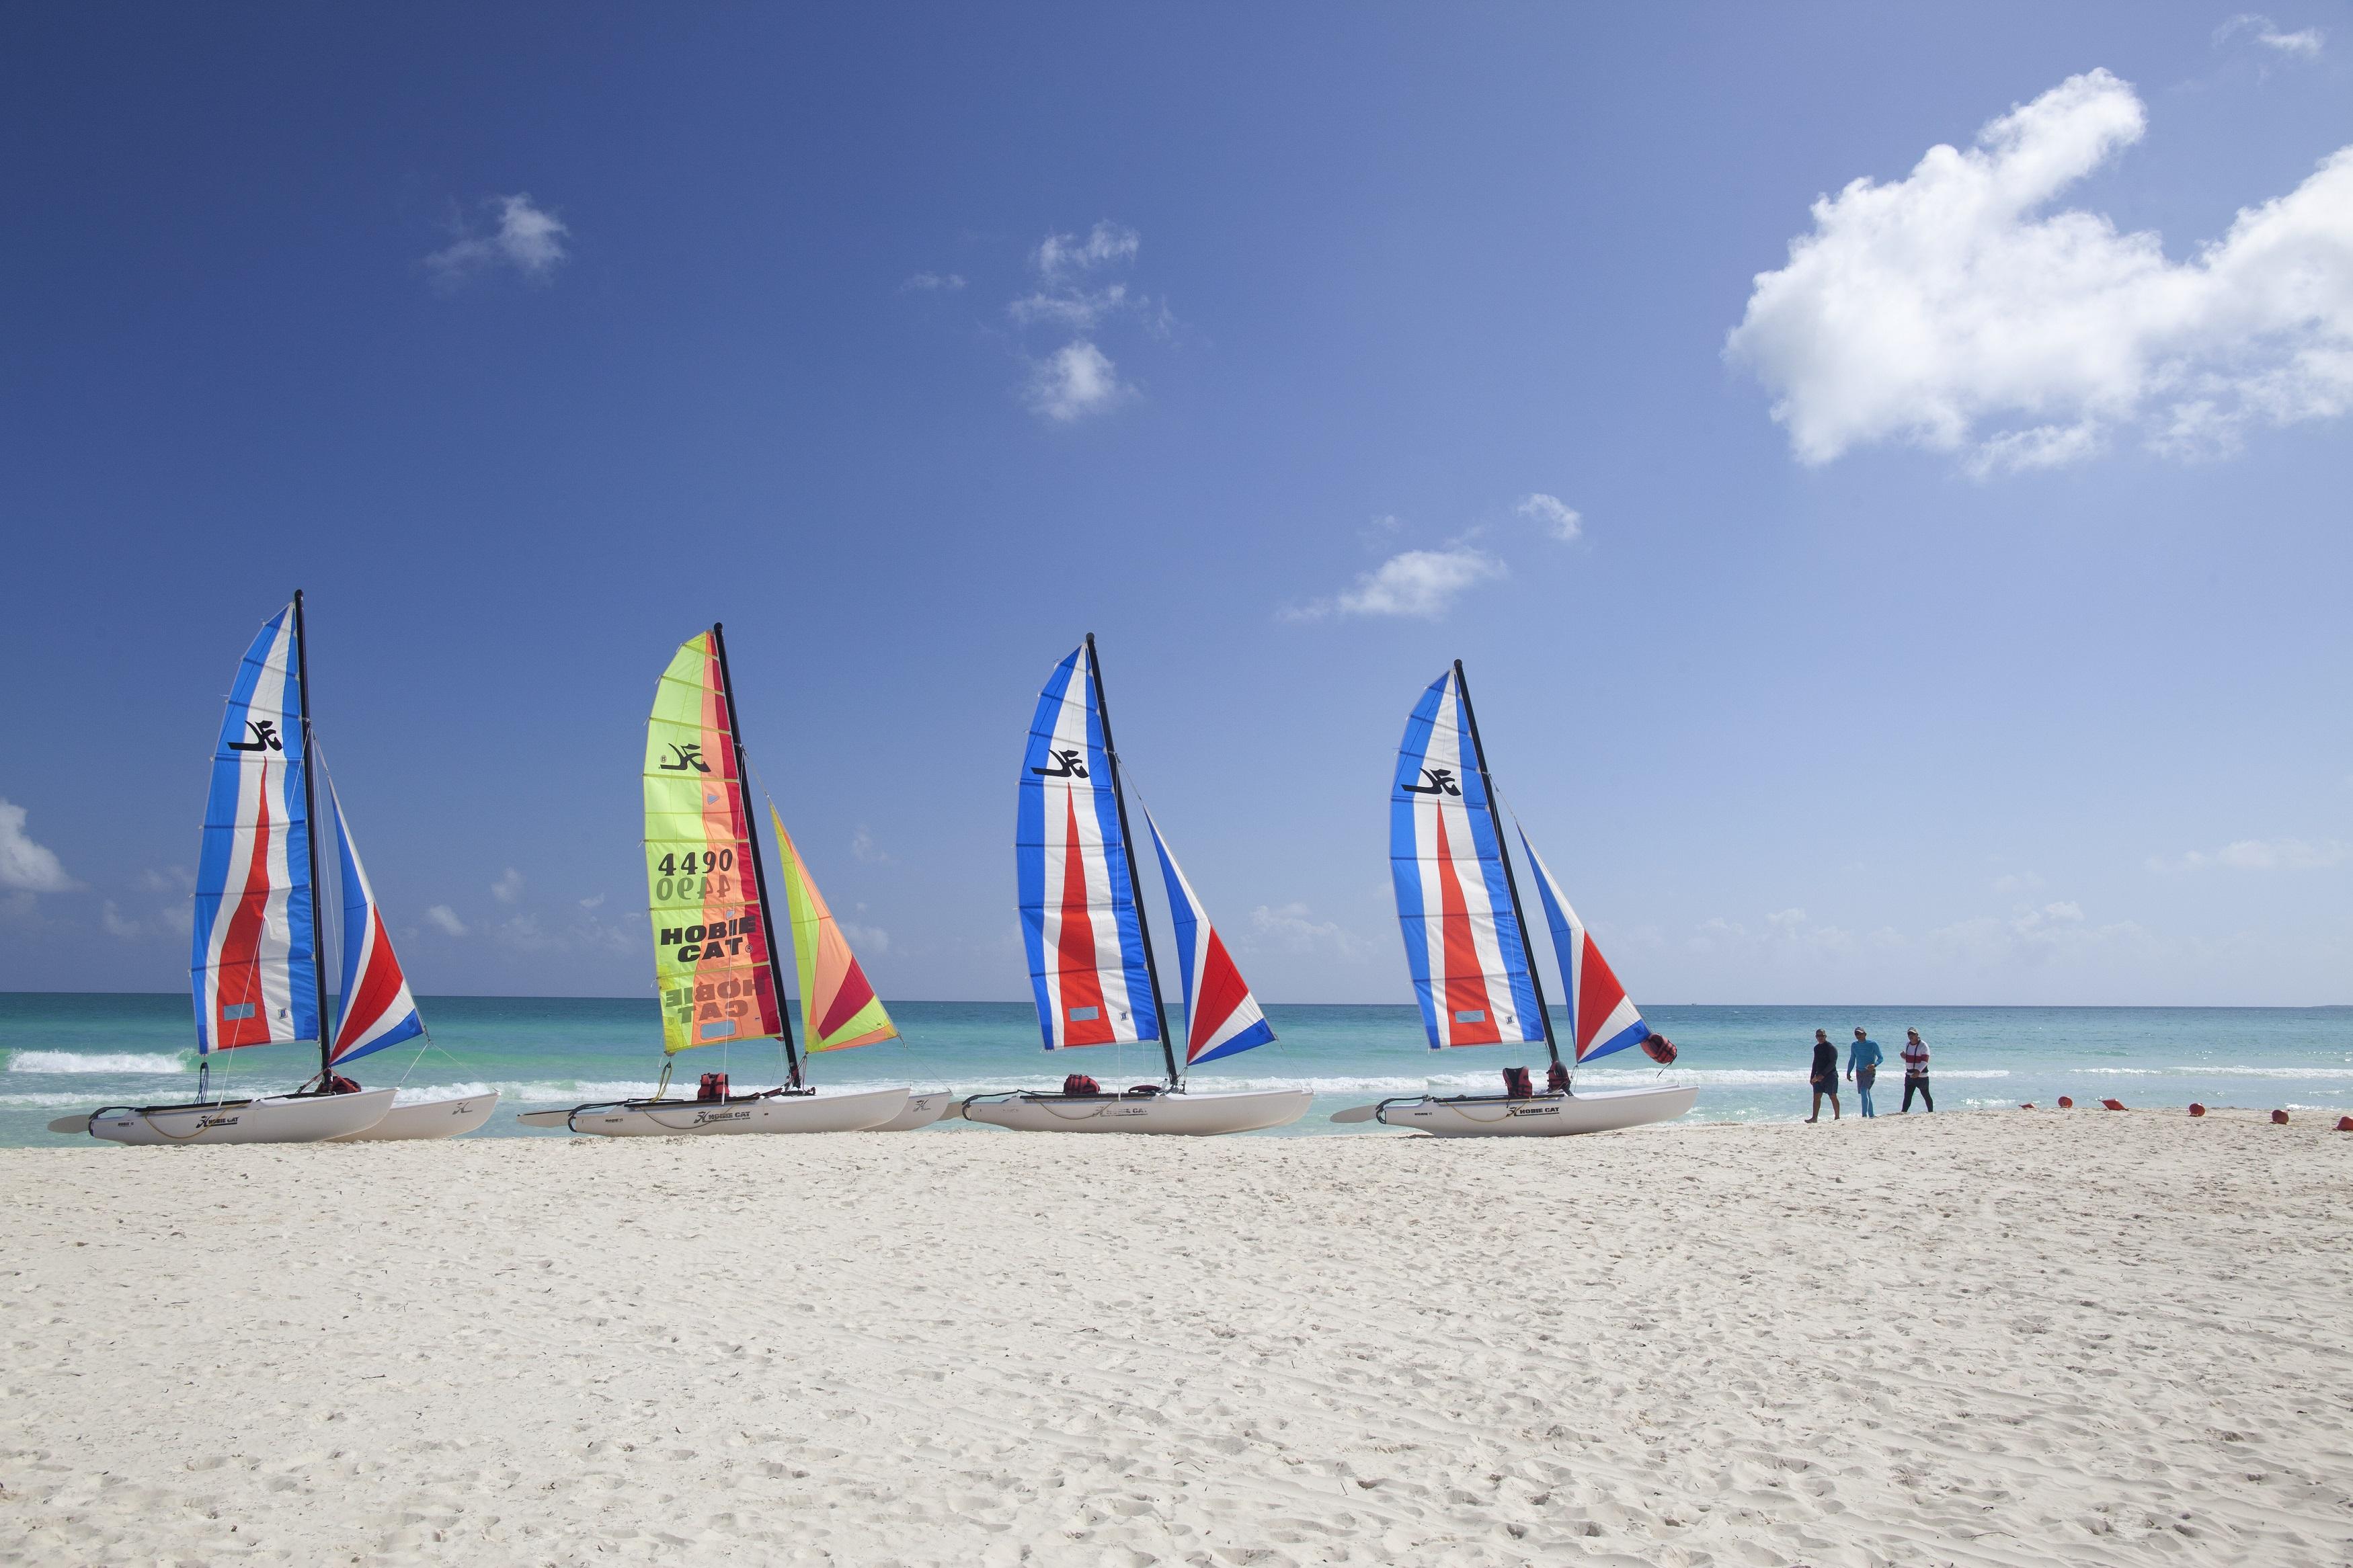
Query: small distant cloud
{"points": [[2262, 855], [1075, 310], [446, 918], [1416, 583], [593, 902], [1562, 522], [933, 283], [863, 845], [1073, 382], [2017, 882], [116, 926], [508, 888], [1295, 928], [2305, 43], [866, 938], [25, 866], [528, 238], [1060, 255]]}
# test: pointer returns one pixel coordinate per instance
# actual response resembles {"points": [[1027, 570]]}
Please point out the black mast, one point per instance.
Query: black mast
{"points": [[759, 868], [1127, 846], [310, 836], [1535, 981]]}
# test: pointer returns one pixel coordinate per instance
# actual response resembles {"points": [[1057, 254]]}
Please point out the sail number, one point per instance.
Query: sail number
{"points": [[690, 876]]}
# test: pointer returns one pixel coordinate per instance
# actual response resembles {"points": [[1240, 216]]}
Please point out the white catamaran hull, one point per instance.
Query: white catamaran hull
{"points": [[747, 1113], [1538, 1116], [274, 1119], [922, 1109], [428, 1119], [1190, 1115]]}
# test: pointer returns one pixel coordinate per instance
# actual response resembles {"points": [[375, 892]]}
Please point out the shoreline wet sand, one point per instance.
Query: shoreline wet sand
{"points": [[1996, 1338]]}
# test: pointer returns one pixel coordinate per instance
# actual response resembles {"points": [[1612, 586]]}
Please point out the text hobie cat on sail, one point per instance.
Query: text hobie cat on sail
{"points": [[1091, 968]]}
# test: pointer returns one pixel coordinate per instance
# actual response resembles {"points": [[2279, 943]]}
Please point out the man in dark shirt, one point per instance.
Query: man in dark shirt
{"points": [[1825, 1074]]}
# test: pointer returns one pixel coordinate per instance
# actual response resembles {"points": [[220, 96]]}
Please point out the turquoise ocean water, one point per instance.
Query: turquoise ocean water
{"points": [[61, 1053]]}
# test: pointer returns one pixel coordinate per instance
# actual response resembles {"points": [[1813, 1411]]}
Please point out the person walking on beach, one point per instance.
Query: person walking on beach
{"points": [[1915, 1071], [1863, 1066], [1825, 1077]]}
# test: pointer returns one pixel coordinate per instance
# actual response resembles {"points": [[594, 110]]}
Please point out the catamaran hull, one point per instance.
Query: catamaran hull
{"points": [[782, 1113], [1538, 1116], [428, 1119], [275, 1119], [1182, 1115], [922, 1109]]}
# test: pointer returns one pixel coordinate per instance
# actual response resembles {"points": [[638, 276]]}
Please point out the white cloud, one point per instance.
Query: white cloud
{"points": [[1422, 583], [1061, 255], [1294, 927], [1942, 310], [863, 845], [508, 888], [2017, 882], [2032, 936], [1562, 522], [866, 938], [112, 919], [595, 902], [2305, 43], [528, 240], [2262, 855], [933, 283], [445, 918], [26, 865], [1783, 931], [1076, 380], [1074, 309]]}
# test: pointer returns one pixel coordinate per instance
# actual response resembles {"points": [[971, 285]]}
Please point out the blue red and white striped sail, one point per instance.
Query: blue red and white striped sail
{"points": [[1602, 1016], [1464, 944], [256, 920], [1221, 1016], [1079, 919], [377, 1008]]}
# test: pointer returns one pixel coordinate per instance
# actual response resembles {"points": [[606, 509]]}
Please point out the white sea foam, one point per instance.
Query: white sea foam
{"points": [[2219, 1071], [147, 1062], [46, 1100]]}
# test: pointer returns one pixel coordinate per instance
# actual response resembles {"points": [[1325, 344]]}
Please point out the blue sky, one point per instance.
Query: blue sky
{"points": [[1956, 615]]}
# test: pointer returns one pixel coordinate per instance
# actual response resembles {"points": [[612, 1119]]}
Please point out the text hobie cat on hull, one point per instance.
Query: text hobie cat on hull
{"points": [[708, 896], [1466, 941], [258, 967], [1091, 968]]}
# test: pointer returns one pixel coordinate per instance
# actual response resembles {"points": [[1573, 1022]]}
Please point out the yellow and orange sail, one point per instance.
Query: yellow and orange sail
{"points": [[839, 1007], [712, 935]]}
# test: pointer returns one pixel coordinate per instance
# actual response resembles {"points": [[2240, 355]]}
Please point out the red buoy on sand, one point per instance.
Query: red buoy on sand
{"points": [[2112, 1105], [2196, 1108], [2345, 1124], [2029, 1105], [2065, 1103], [2279, 1118]]}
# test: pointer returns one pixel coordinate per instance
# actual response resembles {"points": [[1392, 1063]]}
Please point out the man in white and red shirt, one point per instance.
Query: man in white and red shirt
{"points": [[1916, 1070]]}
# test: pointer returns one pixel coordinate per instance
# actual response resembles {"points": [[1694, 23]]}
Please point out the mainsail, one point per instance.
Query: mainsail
{"points": [[1221, 1016], [711, 932], [1464, 944], [252, 962], [839, 1007], [1088, 965], [377, 1008], [1601, 1013]]}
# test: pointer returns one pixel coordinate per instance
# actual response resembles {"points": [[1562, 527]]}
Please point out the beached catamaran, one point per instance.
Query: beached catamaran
{"points": [[1466, 944], [708, 895], [1090, 962], [258, 964]]}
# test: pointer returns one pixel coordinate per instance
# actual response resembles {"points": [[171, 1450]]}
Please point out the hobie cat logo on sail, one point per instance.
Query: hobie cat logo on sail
{"points": [[1067, 765], [684, 757], [1441, 782], [265, 737]]}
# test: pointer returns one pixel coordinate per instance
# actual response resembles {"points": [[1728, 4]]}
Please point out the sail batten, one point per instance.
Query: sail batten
{"points": [[251, 961], [712, 948], [1464, 945], [839, 1006], [1222, 1018], [1088, 968], [378, 1009]]}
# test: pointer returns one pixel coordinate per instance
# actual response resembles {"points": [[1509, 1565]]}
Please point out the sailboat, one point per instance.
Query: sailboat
{"points": [[713, 960], [1466, 945], [258, 967], [1091, 968]]}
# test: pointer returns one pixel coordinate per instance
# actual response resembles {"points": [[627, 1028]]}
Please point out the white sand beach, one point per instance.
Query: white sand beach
{"points": [[2007, 1338]]}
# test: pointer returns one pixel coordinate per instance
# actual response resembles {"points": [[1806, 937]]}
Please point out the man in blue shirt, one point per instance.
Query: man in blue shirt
{"points": [[1862, 1060]]}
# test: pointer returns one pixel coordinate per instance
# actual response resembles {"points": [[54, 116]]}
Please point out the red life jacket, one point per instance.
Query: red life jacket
{"points": [[714, 1087]]}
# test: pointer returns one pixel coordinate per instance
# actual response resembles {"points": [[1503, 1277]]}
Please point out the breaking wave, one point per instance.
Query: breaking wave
{"points": [[147, 1062]]}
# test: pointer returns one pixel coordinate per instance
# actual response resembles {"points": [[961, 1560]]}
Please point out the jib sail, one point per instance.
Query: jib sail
{"points": [[839, 1007]]}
